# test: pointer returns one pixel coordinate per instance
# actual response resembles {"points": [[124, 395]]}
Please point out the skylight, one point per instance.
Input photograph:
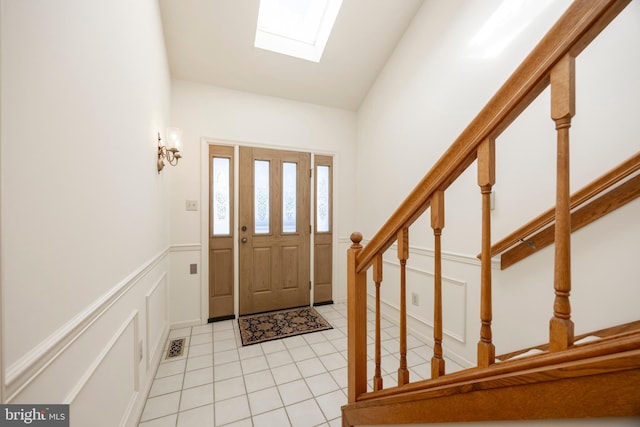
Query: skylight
{"points": [[297, 28]]}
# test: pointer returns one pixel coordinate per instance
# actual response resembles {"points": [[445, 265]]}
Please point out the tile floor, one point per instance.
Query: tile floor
{"points": [[298, 381]]}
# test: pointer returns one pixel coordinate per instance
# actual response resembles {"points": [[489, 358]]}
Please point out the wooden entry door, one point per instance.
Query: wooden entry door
{"points": [[274, 229]]}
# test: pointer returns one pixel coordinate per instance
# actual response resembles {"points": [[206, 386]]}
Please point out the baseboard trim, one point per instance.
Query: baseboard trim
{"points": [[185, 324], [21, 373]]}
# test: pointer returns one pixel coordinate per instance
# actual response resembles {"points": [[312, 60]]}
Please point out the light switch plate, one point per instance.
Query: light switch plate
{"points": [[191, 205]]}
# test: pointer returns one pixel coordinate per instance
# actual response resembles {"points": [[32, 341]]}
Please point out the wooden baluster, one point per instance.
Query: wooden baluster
{"points": [[437, 223], [356, 322], [377, 278], [403, 255], [486, 180], [562, 110]]}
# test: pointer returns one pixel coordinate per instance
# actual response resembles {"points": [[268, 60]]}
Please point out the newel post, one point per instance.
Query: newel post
{"points": [[486, 180], [563, 108], [356, 322]]}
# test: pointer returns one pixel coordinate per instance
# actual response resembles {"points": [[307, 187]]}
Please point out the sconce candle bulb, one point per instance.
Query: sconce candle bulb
{"points": [[170, 152]]}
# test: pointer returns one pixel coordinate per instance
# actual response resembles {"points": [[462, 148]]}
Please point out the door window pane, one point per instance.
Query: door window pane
{"points": [[289, 190], [221, 212], [322, 199], [261, 196]]}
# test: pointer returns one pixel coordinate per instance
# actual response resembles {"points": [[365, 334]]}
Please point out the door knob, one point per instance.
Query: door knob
{"points": [[244, 228], [243, 240]]}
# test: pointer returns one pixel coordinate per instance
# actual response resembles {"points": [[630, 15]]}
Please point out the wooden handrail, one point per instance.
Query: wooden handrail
{"points": [[582, 196], [551, 62], [575, 29]]}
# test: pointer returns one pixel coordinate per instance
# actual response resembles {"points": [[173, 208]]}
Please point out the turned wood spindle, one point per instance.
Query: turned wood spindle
{"points": [[403, 255], [437, 224], [486, 180]]}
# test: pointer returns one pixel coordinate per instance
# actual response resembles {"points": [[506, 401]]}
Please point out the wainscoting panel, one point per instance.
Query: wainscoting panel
{"points": [[112, 377], [157, 310], [103, 361]]}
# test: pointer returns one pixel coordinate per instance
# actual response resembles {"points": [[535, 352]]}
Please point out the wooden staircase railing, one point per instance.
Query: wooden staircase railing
{"points": [[597, 199], [551, 63]]}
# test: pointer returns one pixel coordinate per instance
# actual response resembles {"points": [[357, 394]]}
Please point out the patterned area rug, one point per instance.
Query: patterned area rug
{"points": [[257, 328]]}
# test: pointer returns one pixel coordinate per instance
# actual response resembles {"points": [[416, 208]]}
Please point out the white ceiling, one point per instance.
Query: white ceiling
{"points": [[211, 42]]}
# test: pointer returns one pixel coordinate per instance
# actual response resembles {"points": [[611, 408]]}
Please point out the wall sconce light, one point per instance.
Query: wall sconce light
{"points": [[170, 152]]}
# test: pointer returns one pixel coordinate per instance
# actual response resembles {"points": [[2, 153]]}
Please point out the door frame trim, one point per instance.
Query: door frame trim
{"points": [[205, 142]]}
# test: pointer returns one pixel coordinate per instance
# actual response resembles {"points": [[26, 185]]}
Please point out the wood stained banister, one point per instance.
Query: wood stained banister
{"points": [[576, 28], [582, 196]]}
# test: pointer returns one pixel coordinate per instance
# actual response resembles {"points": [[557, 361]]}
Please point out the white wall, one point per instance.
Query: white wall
{"points": [[85, 222], [429, 91], [232, 117]]}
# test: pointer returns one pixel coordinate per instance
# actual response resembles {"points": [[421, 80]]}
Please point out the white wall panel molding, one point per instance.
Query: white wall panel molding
{"points": [[99, 360], [459, 334], [21, 373], [446, 256], [185, 247], [157, 317], [417, 327], [115, 371]]}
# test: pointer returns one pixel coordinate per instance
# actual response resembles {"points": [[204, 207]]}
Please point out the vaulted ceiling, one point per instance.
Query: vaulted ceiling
{"points": [[211, 42]]}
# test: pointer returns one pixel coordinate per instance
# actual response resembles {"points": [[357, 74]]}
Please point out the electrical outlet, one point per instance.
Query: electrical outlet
{"points": [[414, 299], [193, 268]]}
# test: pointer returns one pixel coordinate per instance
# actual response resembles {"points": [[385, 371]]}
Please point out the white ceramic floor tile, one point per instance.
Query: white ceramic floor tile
{"points": [[199, 362], [294, 392], [224, 325], [168, 421], [228, 370], [277, 418], [201, 339], [250, 351], [321, 384], [196, 396], [339, 344], [276, 380], [314, 337], [200, 349], [242, 423], [198, 377], [272, 346], [254, 364], [223, 335], [157, 407], [322, 348], [333, 361], [311, 367], [279, 358], [202, 329], [340, 377], [166, 385], [224, 345], [285, 374], [227, 389], [202, 416], [230, 410], [301, 353], [171, 368], [264, 400], [223, 357], [305, 414], [293, 342], [259, 380], [330, 403]]}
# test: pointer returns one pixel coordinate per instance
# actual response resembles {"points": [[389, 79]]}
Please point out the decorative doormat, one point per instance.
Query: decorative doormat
{"points": [[257, 328], [176, 348]]}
